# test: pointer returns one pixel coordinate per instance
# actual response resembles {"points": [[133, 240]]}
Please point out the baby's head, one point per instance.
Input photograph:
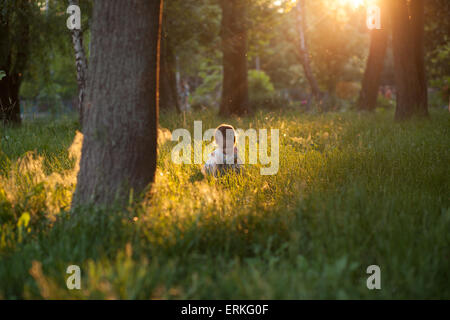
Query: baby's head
{"points": [[225, 138]]}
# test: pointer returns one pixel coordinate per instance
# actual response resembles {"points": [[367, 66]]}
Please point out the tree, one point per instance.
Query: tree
{"points": [[234, 47], [407, 37], [14, 54], [437, 38], [168, 95], [336, 46], [303, 50], [418, 24], [375, 63], [81, 64], [121, 107]]}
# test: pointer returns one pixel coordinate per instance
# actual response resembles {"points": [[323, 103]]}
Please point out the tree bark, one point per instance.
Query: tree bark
{"points": [[80, 63], [418, 22], [234, 47], [375, 64], [409, 74], [121, 105], [168, 96], [303, 50]]}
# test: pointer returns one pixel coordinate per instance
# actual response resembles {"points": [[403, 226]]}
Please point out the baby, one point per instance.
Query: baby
{"points": [[225, 157]]}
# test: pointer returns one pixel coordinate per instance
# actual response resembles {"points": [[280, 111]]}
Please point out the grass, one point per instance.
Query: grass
{"points": [[352, 190]]}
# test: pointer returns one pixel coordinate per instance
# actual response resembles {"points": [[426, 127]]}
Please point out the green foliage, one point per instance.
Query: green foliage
{"points": [[208, 92], [43, 38], [192, 29], [259, 84], [352, 190], [337, 45], [437, 39], [262, 93]]}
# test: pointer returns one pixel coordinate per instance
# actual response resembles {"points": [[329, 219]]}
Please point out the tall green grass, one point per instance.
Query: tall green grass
{"points": [[352, 190]]}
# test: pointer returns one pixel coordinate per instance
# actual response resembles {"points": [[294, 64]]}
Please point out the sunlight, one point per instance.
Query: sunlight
{"points": [[284, 6], [353, 3]]}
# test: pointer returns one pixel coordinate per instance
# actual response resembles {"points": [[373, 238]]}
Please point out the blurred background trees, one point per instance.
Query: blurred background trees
{"points": [[375, 62], [407, 41], [37, 61], [36, 55], [15, 43]]}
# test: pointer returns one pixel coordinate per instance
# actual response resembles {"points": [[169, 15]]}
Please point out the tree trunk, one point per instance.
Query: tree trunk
{"points": [[14, 54], [121, 105], [168, 95], [9, 100], [303, 50], [234, 47], [80, 63], [418, 23], [409, 79], [375, 64]]}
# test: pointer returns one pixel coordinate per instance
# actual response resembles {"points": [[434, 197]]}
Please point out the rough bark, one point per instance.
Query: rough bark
{"points": [[375, 64], [121, 105], [303, 50], [409, 78], [80, 63], [168, 95], [234, 47]]}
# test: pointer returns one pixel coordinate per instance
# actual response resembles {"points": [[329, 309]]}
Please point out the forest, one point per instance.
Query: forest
{"points": [[110, 112]]}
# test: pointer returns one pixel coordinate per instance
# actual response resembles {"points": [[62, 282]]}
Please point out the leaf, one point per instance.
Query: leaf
{"points": [[2, 74]]}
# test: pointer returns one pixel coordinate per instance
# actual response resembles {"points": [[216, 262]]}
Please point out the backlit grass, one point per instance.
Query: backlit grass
{"points": [[352, 190]]}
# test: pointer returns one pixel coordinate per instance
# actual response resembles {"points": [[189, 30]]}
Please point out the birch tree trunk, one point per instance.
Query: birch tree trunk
{"points": [[81, 64], [121, 105]]}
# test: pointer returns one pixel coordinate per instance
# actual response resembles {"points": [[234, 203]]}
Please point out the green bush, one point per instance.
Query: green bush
{"points": [[259, 85], [207, 94]]}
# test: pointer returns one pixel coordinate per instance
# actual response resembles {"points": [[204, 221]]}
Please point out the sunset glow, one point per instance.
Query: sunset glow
{"points": [[353, 3]]}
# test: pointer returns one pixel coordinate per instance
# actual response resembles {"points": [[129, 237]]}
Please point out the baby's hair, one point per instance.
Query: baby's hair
{"points": [[223, 128]]}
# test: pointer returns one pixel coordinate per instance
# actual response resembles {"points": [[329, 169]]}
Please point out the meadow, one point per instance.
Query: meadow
{"points": [[352, 190]]}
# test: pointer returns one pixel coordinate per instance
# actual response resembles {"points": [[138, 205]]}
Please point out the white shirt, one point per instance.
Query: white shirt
{"points": [[219, 161]]}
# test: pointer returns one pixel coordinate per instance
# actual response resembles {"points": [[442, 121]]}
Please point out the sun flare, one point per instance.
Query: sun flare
{"points": [[355, 4]]}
